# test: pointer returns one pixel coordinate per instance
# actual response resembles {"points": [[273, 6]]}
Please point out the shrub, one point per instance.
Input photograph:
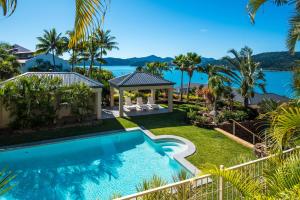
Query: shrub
{"points": [[238, 115], [31, 101], [78, 97]]}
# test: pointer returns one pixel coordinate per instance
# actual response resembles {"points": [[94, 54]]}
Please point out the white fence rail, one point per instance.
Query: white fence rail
{"points": [[203, 187]]}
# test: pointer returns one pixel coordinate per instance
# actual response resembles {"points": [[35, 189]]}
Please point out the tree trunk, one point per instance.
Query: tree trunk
{"points": [[53, 57], [188, 91], [246, 102], [91, 67], [181, 86]]}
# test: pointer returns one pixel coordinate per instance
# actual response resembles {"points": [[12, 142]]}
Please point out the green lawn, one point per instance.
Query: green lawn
{"points": [[212, 147]]}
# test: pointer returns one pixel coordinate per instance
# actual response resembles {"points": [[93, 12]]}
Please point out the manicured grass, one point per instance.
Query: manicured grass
{"points": [[212, 147]]}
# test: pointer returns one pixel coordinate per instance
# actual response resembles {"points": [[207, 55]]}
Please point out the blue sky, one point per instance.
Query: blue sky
{"points": [[160, 27]]}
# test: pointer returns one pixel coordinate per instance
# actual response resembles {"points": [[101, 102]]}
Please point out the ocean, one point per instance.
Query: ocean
{"points": [[278, 82]]}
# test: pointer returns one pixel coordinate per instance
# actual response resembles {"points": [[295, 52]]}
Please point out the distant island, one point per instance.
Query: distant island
{"points": [[277, 61]]}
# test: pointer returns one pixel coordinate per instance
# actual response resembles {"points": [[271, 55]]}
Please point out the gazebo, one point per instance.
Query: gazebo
{"points": [[139, 81]]}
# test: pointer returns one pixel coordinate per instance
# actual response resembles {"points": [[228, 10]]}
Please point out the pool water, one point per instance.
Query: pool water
{"points": [[90, 168]]}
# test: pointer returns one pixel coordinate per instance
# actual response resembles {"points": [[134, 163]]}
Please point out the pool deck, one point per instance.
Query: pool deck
{"points": [[108, 112]]}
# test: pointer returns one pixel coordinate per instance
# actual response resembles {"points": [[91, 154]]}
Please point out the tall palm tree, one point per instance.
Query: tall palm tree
{"points": [[50, 42], [73, 49], [249, 77], [181, 64], [83, 54], [89, 14], [106, 43], [294, 31], [193, 60]]}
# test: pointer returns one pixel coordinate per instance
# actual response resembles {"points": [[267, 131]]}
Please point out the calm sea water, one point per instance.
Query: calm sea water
{"points": [[278, 82]]}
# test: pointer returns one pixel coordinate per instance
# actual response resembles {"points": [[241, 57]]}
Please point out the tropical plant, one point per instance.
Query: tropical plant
{"points": [[5, 178], [296, 81], [9, 65], [294, 31], [89, 15], [83, 54], [193, 59], [78, 98], [181, 64], [219, 79], [51, 42], [155, 68], [284, 126], [31, 101], [74, 51], [106, 43], [249, 77], [281, 178], [154, 182]]}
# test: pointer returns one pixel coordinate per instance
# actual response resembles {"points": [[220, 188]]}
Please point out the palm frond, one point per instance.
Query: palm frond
{"points": [[8, 6], [89, 16]]}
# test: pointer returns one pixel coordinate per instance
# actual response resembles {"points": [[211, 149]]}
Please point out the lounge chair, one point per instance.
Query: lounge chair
{"points": [[140, 105], [128, 104], [151, 105]]}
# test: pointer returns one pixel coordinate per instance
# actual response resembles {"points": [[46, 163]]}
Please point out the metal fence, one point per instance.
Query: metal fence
{"points": [[205, 187]]}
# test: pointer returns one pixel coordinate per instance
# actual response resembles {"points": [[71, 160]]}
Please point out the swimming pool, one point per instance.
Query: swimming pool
{"points": [[91, 168]]}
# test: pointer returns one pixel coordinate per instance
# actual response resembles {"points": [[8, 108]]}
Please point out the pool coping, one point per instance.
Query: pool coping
{"points": [[180, 157]]}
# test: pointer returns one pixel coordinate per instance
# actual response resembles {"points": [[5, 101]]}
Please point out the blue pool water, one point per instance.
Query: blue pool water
{"points": [[278, 82], [90, 168]]}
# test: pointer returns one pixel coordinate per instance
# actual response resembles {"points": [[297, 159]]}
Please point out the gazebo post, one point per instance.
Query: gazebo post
{"points": [[112, 100], [153, 94], [170, 99], [121, 94]]}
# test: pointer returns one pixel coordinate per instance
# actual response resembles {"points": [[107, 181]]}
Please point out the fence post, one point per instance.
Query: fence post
{"points": [[221, 184]]}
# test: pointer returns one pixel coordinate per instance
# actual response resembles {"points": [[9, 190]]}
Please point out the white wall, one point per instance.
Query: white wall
{"points": [[46, 57]]}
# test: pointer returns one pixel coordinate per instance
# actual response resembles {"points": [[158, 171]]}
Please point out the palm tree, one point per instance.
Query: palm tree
{"points": [[193, 60], [249, 76], [294, 31], [50, 42], [89, 15], [92, 52], [83, 54], [181, 64], [155, 68], [219, 78], [106, 43], [74, 49]]}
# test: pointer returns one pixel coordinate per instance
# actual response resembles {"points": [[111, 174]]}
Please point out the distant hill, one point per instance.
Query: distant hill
{"points": [[269, 60], [137, 61]]}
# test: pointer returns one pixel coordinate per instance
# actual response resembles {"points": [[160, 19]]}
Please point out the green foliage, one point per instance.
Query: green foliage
{"points": [[155, 68], [296, 82], [237, 115], [249, 76], [154, 182], [102, 76], [34, 101], [31, 100], [78, 98], [9, 65], [5, 178], [268, 105]]}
